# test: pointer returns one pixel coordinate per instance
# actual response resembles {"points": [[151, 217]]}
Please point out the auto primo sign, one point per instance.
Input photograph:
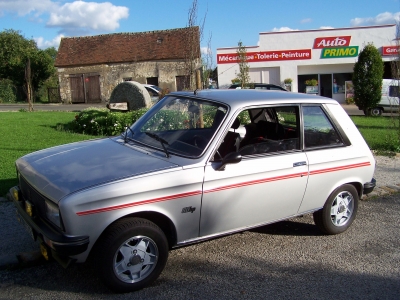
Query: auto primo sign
{"points": [[335, 46], [351, 51]]}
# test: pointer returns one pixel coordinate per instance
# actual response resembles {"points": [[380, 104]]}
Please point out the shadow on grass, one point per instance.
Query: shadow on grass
{"points": [[6, 184]]}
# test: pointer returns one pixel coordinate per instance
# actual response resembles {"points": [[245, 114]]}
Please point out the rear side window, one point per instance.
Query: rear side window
{"points": [[393, 91], [318, 130]]}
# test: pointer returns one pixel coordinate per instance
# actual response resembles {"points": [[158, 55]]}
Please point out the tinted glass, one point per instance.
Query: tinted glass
{"points": [[183, 126], [268, 130], [318, 130]]}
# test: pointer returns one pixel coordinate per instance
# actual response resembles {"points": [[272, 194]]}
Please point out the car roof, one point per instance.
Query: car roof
{"points": [[236, 98], [152, 86], [257, 84]]}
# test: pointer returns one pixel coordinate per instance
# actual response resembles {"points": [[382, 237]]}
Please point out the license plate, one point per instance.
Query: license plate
{"points": [[26, 226]]}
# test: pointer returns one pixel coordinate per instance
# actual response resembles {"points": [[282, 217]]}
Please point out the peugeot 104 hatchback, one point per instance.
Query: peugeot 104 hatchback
{"points": [[196, 166]]}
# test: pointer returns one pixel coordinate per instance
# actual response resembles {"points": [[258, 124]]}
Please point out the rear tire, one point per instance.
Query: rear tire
{"points": [[375, 111], [339, 210], [131, 254]]}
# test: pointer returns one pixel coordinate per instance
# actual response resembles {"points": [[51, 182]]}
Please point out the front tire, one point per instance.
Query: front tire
{"points": [[339, 210], [131, 254]]}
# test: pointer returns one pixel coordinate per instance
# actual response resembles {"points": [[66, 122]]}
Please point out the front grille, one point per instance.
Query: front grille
{"points": [[33, 196]]}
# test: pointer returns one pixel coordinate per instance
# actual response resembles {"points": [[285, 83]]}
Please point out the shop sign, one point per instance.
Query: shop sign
{"points": [[230, 58], [332, 41], [389, 50], [351, 51]]}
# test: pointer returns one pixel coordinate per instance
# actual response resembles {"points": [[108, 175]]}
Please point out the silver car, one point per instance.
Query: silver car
{"points": [[196, 166]]}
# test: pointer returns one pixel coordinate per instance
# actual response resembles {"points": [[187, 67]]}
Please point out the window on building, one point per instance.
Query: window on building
{"points": [[339, 80], [152, 80], [182, 83], [302, 81]]}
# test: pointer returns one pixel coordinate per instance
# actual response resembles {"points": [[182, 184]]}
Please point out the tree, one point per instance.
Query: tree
{"points": [[243, 75], [15, 51], [192, 51], [49, 57], [367, 78], [207, 61]]}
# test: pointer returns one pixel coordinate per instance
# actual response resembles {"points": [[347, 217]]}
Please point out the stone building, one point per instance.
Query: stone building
{"points": [[90, 67]]}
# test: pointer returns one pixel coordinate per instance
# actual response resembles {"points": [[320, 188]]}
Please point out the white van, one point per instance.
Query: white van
{"points": [[389, 99]]}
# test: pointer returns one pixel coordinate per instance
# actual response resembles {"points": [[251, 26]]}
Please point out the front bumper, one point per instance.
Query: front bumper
{"points": [[61, 245], [369, 186]]}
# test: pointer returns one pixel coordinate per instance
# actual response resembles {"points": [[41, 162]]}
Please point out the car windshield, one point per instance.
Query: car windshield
{"points": [[179, 125]]}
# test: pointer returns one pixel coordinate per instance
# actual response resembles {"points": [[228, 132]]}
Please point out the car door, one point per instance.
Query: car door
{"points": [[332, 160], [265, 186]]}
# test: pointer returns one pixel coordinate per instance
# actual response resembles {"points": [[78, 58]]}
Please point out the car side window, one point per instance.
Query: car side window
{"points": [[271, 130], [394, 91], [318, 130]]}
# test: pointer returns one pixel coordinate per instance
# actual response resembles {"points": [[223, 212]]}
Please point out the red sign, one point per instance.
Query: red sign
{"points": [[232, 58], [332, 42], [390, 50]]}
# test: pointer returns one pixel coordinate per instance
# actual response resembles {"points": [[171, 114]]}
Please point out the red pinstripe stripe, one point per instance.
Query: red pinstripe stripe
{"points": [[264, 180], [364, 164], [222, 188], [167, 198]]}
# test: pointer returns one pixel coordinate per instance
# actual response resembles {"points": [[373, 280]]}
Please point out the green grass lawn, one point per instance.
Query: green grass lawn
{"points": [[23, 132], [379, 132]]}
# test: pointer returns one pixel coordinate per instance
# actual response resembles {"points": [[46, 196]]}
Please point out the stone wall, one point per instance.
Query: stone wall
{"points": [[113, 74]]}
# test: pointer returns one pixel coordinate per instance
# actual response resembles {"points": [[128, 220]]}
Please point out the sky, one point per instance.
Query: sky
{"points": [[226, 22]]}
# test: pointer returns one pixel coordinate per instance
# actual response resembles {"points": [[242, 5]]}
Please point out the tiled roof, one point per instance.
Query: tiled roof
{"points": [[127, 47]]}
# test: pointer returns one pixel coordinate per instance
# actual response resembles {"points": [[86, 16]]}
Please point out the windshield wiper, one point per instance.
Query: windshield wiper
{"points": [[161, 140], [126, 134]]}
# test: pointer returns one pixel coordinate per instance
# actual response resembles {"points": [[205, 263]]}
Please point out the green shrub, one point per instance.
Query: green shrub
{"points": [[101, 121], [7, 92], [349, 100], [367, 78]]}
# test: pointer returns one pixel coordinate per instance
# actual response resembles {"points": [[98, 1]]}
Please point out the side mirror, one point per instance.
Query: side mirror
{"points": [[230, 158]]}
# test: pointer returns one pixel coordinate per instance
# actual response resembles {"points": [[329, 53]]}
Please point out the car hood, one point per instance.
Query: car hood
{"points": [[59, 171]]}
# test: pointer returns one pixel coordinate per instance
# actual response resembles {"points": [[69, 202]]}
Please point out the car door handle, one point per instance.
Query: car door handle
{"points": [[300, 163]]}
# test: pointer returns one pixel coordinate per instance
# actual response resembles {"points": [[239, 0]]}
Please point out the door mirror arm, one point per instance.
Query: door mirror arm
{"points": [[230, 158]]}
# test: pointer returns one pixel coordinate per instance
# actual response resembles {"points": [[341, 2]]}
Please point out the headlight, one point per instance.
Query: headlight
{"points": [[15, 193], [53, 213]]}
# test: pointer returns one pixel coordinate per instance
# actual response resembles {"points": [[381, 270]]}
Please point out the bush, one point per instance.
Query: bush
{"points": [[349, 100], [7, 92], [311, 82], [287, 81], [367, 78], [101, 121]]}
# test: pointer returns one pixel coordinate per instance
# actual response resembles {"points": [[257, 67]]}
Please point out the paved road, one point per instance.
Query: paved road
{"points": [[287, 260], [49, 107]]}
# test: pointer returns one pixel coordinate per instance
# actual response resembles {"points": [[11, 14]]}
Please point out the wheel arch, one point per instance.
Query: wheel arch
{"points": [[351, 181], [358, 186], [162, 221]]}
